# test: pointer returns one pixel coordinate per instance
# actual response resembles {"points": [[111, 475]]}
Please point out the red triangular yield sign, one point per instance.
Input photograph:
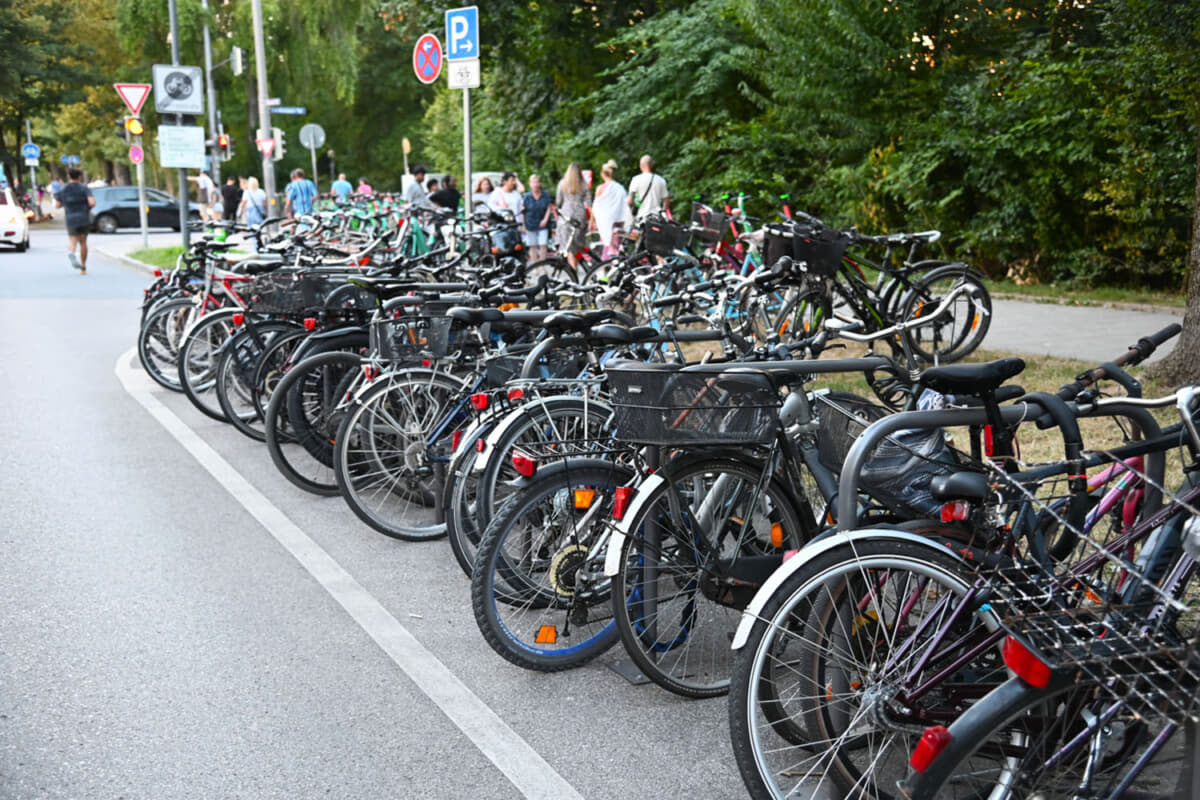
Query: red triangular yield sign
{"points": [[133, 95], [266, 146]]}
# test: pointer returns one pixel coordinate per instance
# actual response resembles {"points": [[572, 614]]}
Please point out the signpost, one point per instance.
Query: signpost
{"points": [[134, 95], [462, 46], [266, 146], [181, 146], [312, 136], [298, 111], [427, 58]]}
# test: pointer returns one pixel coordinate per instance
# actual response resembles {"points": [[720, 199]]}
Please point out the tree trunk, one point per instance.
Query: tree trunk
{"points": [[1183, 364]]}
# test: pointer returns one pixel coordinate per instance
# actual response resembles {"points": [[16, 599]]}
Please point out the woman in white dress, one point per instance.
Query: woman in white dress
{"points": [[608, 209]]}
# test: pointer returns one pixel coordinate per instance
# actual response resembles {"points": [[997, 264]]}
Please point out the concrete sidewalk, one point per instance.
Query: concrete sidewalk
{"points": [[119, 245], [1090, 333]]}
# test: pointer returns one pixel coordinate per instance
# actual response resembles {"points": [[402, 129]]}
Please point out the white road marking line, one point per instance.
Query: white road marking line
{"points": [[511, 754]]}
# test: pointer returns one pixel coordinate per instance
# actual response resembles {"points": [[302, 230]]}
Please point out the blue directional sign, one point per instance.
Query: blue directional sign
{"points": [[72, 160], [462, 33], [296, 110], [31, 150]]}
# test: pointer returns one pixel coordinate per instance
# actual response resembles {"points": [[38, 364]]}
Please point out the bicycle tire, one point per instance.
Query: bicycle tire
{"points": [[526, 578], [965, 324], [236, 368], [198, 357], [675, 602], [459, 501], [159, 340], [323, 373], [802, 705]]}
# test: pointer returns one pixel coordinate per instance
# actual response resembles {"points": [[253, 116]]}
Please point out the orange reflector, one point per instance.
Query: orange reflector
{"points": [[508, 306], [547, 634], [621, 498], [238, 319], [1021, 660], [932, 743], [584, 498], [974, 322], [776, 535], [310, 323]]}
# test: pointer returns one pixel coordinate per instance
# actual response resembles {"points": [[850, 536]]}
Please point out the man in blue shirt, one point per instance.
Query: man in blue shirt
{"points": [[300, 195], [537, 206], [341, 188]]}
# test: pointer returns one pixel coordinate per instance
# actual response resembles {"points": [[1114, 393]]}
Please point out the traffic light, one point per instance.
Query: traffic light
{"points": [[224, 147], [122, 134], [134, 126], [278, 153]]}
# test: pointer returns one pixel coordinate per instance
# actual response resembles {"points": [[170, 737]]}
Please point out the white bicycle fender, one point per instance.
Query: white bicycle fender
{"points": [[810, 551], [612, 559]]}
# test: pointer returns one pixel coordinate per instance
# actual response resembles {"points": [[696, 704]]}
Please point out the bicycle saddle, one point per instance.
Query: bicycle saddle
{"points": [[972, 378], [972, 486], [475, 316]]}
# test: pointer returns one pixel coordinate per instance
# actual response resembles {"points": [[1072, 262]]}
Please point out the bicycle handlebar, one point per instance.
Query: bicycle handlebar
{"points": [[1136, 354]]}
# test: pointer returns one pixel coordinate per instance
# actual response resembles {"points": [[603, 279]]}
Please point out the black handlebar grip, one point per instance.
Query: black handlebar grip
{"points": [[669, 300]]}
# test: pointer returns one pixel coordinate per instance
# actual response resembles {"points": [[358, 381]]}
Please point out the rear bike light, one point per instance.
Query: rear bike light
{"points": [[621, 497], [516, 394], [362, 262], [932, 743], [480, 401], [955, 511], [456, 440], [238, 319], [158, 273], [1021, 660], [310, 323], [425, 362], [525, 465]]}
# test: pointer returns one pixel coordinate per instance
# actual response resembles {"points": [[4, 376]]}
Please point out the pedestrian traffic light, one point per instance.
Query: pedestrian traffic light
{"points": [[134, 126], [223, 148], [278, 153]]}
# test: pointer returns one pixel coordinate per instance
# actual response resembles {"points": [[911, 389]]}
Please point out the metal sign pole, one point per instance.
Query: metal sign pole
{"points": [[32, 170], [264, 110], [316, 178], [467, 188], [183, 190], [141, 179]]}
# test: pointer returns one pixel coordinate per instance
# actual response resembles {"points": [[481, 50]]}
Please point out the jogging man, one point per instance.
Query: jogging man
{"points": [[76, 201]]}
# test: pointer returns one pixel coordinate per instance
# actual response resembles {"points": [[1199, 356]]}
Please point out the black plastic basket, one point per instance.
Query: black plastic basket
{"points": [[777, 243], [411, 338], [819, 249], [707, 226], [661, 236], [505, 240], [291, 292], [668, 407]]}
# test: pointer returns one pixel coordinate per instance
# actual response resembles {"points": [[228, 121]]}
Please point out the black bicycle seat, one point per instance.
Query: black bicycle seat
{"points": [[610, 333], [972, 486], [257, 267], [475, 316], [972, 378]]}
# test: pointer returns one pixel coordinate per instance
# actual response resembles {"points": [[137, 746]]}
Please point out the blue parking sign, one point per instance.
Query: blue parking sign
{"points": [[462, 33]]}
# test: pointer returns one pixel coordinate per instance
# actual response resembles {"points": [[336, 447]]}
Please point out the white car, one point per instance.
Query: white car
{"points": [[14, 225]]}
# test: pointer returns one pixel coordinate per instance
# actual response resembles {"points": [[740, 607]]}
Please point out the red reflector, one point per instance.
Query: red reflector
{"points": [[524, 464], [955, 510], [516, 394], [238, 319], [362, 262], [1022, 661], [480, 401], [158, 273], [621, 497], [370, 372], [310, 323], [932, 743], [456, 441], [479, 445], [989, 444], [425, 362]]}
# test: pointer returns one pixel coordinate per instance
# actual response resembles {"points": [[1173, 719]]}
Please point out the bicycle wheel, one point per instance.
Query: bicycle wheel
{"points": [[800, 315], [819, 703], [303, 416], [387, 450], [538, 589], [962, 327], [236, 368], [702, 542], [566, 425], [459, 500], [556, 268], [198, 357], [160, 338]]}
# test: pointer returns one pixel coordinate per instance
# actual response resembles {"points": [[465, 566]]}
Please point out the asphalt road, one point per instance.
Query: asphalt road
{"points": [[178, 621], [158, 641]]}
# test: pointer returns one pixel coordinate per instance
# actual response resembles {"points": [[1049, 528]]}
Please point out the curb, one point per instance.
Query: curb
{"points": [[132, 262]]}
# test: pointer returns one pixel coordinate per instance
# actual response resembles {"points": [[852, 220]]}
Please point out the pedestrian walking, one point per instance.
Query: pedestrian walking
{"points": [[448, 196], [415, 195], [254, 202], [609, 209], [341, 189], [482, 192], [507, 198], [537, 208], [364, 188], [648, 191], [205, 191], [76, 201], [231, 197], [571, 199], [301, 193]]}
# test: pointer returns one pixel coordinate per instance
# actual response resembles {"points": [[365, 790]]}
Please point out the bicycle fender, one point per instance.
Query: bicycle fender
{"points": [[521, 413], [612, 559], [814, 549]]}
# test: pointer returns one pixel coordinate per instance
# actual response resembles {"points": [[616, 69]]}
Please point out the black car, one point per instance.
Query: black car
{"points": [[117, 207]]}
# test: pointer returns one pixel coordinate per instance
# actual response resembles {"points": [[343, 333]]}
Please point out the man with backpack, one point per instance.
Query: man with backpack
{"points": [[648, 191]]}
